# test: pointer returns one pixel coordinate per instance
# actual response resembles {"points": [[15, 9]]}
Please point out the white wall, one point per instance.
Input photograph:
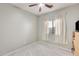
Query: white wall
{"points": [[17, 28], [70, 14]]}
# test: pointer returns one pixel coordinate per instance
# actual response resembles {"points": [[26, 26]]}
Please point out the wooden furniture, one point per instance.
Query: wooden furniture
{"points": [[75, 43]]}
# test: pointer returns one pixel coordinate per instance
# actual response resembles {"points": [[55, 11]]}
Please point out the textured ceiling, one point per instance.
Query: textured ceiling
{"points": [[35, 9]]}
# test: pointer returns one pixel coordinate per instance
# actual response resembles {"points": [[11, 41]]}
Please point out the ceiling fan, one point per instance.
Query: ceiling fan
{"points": [[40, 6]]}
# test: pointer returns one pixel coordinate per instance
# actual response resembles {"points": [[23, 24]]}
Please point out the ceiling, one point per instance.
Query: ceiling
{"points": [[35, 9]]}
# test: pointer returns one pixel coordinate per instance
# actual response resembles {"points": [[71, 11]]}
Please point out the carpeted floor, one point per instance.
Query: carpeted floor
{"points": [[40, 49]]}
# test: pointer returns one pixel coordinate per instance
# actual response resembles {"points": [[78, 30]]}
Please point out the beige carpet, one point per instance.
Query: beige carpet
{"points": [[40, 49]]}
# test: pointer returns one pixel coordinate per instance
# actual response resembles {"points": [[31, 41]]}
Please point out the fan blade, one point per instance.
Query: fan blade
{"points": [[40, 9], [33, 5], [49, 6]]}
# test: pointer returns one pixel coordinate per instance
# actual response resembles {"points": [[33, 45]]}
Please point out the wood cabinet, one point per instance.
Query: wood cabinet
{"points": [[75, 43]]}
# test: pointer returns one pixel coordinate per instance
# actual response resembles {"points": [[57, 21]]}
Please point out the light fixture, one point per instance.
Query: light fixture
{"points": [[41, 4]]}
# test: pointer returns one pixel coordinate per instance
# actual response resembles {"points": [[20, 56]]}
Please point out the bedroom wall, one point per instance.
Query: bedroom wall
{"points": [[17, 28], [70, 15]]}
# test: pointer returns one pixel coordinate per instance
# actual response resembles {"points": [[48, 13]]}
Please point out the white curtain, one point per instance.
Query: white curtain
{"points": [[60, 30], [58, 26]]}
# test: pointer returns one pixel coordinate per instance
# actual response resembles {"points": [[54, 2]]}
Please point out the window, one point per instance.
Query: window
{"points": [[49, 24]]}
